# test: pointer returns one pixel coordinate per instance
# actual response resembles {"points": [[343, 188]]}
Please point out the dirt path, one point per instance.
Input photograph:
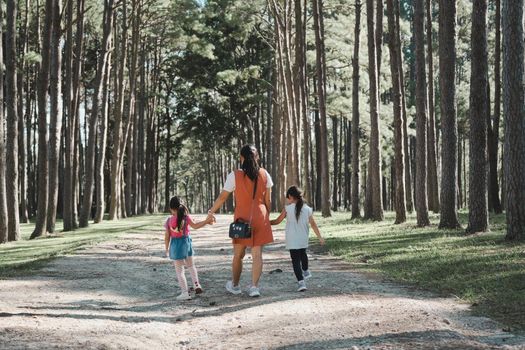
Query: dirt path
{"points": [[121, 295]]}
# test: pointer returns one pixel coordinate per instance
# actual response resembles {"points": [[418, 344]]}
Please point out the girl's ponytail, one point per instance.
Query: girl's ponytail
{"points": [[182, 211], [296, 193], [181, 214]]}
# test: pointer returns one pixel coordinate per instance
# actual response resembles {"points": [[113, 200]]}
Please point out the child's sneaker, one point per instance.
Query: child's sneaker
{"points": [[198, 288], [302, 286], [254, 292], [307, 274], [233, 289], [184, 296]]}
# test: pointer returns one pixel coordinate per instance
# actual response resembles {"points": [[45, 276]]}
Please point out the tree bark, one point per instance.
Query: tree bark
{"points": [[22, 145], [408, 168], [72, 93], [336, 163], [421, 116], [399, 161], [102, 136], [3, 200], [432, 178], [55, 125], [43, 84], [449, 126], [97, 96], [514, 118], [374, 209], [118, 132], [11, 101], [356, 211], [301, 94], [493, 127], [321, 89], [477, 200]]}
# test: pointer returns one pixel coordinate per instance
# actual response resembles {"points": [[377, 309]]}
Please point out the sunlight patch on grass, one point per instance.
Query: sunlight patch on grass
{"points": [[481, 269], [28, 254]]}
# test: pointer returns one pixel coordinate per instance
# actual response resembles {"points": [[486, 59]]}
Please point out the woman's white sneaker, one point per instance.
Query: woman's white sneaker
{"points": [[301, 286], [184, 296], [233, 289], [307, 274], [254, 292]]}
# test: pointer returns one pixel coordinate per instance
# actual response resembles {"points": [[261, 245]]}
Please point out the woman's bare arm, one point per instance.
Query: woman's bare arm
{"points": [[279, 219], [218, 203], [268, 199]]}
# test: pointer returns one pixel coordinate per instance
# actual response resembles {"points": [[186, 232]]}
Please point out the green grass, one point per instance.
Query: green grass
{"points": [[26, 255], [483, 269]]}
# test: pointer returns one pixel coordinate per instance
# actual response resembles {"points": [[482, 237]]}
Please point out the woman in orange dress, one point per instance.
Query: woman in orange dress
{"points": [[257, 208]]}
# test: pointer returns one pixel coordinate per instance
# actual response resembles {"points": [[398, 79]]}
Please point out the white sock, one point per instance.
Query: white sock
{"points": [[181, 276]]}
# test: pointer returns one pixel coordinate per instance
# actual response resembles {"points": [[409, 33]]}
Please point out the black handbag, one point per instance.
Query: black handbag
{"points": [[241, 229]]}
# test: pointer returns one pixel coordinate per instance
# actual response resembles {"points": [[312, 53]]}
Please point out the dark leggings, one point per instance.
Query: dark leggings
{"points": [[299, 262]]}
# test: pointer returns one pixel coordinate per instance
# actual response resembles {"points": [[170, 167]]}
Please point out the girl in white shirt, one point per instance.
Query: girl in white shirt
{"points": [[299, 218]]}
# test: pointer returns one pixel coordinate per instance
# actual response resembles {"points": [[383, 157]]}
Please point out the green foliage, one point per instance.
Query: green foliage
{"points": [[482, 270]]}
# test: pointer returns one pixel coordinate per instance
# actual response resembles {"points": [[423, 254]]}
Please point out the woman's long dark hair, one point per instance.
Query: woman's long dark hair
{"points": [[250, 165], [297, 194], [182, 211]]}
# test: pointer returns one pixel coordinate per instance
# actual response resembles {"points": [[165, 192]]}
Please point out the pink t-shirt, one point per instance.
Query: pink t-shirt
{"points": [[171, 225]]}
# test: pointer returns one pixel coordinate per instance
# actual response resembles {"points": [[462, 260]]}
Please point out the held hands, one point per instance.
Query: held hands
{"points": [[210, 219]]}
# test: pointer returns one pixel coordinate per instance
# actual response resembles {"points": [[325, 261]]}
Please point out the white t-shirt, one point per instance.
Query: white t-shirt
{"points": [[229, 185], [297, 230]]}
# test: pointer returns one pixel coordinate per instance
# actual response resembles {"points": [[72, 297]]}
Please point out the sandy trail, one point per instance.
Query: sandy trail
{"points": [[120, 294]]}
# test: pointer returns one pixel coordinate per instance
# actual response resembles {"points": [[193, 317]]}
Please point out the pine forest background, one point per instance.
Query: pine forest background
{"points": [[110, 107]]}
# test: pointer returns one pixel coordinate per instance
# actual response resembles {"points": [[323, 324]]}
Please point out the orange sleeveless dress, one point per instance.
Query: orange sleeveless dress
{"points": [[261, 228]]}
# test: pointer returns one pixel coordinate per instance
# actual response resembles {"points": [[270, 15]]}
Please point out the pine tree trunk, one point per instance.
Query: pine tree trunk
{"points": [[71, 95], [97, 96], [336, 163], [493, 129], [167, 174], [277, 132], [321, 89], [11, 101], [514, 118], [120, 85], [301, 89], [408, 168], [102, 136], [55, 126], [130, 108], [477, 200], [374, 209], [3, 200], [432, 178], [399, 159], [449, 126], [356, 211], [43, 85], [379, 37], [318, 164], [22, 145], [421, 116]]}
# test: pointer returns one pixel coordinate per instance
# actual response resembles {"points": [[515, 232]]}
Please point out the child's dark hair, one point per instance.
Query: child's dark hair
{"points": [[182, 211], [250, 165], [296, 193]]}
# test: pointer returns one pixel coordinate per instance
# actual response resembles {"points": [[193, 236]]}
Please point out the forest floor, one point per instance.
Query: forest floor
{"points": [[120, 294]]}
